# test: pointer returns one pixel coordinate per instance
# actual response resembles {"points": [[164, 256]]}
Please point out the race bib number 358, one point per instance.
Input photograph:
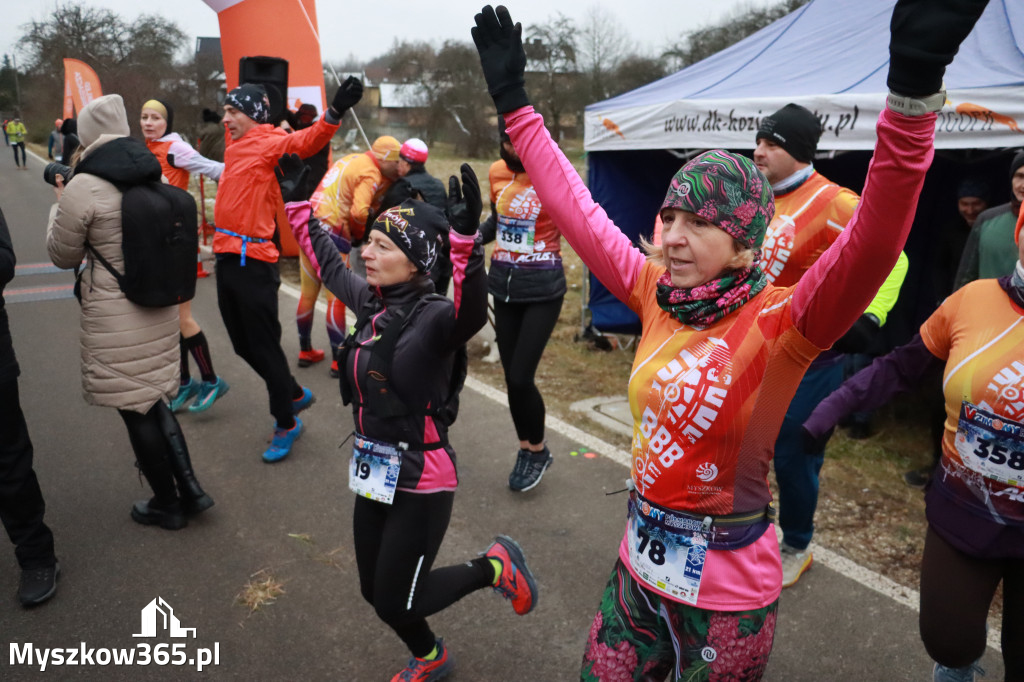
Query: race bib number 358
{"points": [[991, 445]]}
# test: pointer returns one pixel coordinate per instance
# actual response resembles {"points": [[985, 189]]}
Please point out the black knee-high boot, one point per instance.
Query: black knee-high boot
{"points": [[193, 498], [150, 446]]}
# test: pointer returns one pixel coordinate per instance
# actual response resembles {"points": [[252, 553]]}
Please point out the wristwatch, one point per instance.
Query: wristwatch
{"points": [[916, 106]]}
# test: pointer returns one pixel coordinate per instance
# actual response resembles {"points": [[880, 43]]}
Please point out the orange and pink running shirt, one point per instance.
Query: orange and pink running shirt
{"points": [[707, 404], [526, 236], [979, 332], [822, 209]]}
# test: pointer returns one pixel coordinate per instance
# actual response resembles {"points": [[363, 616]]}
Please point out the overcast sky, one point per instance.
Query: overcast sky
{"points": [[369, 27]]}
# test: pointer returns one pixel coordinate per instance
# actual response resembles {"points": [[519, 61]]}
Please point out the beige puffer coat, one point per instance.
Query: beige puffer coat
{"points": [[130, 356]]}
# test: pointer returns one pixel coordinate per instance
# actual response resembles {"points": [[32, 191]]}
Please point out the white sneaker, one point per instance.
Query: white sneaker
{"points": [[794, 563]]}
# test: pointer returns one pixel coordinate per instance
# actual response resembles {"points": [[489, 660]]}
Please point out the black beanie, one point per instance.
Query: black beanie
{"points": [[1017, 162], [211, 116], [170, 117], [416, 228], [251, 99], [793, 128]]}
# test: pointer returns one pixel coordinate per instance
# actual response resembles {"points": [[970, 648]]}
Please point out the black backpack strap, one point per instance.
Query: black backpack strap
{"points": [[362, 318], [105, 263]]}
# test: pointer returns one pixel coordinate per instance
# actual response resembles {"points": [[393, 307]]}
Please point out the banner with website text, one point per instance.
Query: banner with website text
{"points": [[81, 86], [979, 118]]}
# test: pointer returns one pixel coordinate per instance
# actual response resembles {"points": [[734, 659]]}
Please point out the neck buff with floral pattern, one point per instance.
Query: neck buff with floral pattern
{"points": [[728, 190]]}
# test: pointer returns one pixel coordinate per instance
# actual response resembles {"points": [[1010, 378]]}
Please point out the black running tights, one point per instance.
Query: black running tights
{"points": [[396, 546], [956, 593], [522, 331]]}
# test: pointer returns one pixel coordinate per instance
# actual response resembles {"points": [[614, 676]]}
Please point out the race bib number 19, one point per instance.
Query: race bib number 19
{"points": [[373, 470]]}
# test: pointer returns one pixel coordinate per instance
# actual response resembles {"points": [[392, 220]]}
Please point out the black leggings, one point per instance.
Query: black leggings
{"points": [[956, 592], [396, 546], [522, 331]]}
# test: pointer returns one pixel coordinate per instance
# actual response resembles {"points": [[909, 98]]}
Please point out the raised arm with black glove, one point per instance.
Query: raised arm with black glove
{"points": [[500, 45], [291, 174], [347, 96], [464, 204], [925, 35]]}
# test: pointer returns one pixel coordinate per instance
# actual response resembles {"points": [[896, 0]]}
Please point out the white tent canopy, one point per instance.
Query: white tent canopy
{"points": [[832, 57]]}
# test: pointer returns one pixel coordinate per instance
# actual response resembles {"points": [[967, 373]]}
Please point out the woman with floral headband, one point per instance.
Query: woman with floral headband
{"points": [[694, 593]]}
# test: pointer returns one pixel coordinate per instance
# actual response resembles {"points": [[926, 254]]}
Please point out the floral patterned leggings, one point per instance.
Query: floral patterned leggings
{"points": [[640, 635]]}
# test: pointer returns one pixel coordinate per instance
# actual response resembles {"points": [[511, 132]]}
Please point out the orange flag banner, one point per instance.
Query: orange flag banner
{"points": [[272, 28], [81, 86]]}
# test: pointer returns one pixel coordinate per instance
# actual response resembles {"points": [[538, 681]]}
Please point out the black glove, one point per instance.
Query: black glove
{"points": [[502, 57], [291, 175], [925, 35], [859, 337], [464, 204], [347, 96], [812, 445]]}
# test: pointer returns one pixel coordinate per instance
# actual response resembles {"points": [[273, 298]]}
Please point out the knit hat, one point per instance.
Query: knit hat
{"points": [[416, 228], [1017, 162], [973, 187], [414, 150], [385, 148], [211, 116], [251, 99], [103, 115], [165, 110], [307, 110], [728, 190], [793, 128]]}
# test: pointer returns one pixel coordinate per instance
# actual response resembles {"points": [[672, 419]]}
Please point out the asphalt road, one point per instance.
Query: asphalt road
{"points": [[291, 522]]}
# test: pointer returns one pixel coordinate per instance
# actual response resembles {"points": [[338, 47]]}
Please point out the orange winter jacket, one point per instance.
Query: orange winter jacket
{"points": [[344, 197], [248, 195]]}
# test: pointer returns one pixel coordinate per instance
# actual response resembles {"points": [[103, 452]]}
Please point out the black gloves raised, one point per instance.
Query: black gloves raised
{"points": [[925, 35], [502, 57], [464, 204], [347, 96], [291, 175]]}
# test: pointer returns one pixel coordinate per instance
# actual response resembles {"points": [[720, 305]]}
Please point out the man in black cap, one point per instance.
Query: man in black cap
{"points": [[810, 213], [990, 248]]}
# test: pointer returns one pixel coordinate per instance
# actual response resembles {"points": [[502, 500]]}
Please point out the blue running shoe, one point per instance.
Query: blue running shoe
{"points": [[307, 399], [281, 445], [185, 393], [209, 391]]}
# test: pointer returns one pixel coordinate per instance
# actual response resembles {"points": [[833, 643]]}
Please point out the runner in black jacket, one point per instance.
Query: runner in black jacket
{"points": [[402, 467]]}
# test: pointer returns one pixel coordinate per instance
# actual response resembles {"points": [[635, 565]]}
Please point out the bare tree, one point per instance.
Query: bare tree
{"points": [[603, 44], [552, 72], [137, 60], [709, 40], [460, 109], [634, 71]]}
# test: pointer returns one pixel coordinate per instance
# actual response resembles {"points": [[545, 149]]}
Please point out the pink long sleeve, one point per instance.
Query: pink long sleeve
{"points": [[834, 292], [603, 247], [298, 213]]}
